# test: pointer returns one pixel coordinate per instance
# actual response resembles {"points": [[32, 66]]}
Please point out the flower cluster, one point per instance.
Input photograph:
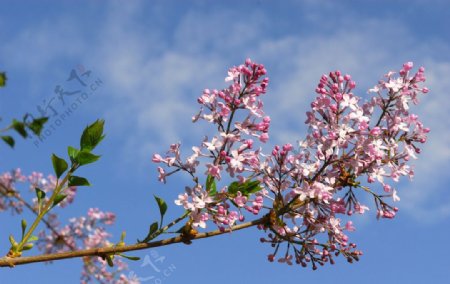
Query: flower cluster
{"points": [[348, 140], [9, 196], [231, 150], [85, 233], [89, 230], [48, 184], [351, 144]]}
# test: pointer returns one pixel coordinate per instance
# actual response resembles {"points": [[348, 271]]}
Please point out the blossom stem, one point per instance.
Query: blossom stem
{"points": [[168, 226], [44, 211]]}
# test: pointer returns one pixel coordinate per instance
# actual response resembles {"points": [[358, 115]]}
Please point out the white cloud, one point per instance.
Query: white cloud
{"points": [[156, 80]]}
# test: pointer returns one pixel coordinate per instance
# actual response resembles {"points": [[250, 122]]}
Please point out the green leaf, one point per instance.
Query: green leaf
{"points": [[9, 140], [24, 227], [252, 187], [33, 238], [59, 165], [245, 188], [39, 194], [151, 232], [3, 79], [27, 246], [135, 258], [211, 186], [12, 241], [109, 260], [73, 153], [122, 237], [19, 127], [233, 188], [78, 181], [213, 190], [84, 158], [58, 199], [92, 135], [162, 206], [153, 228], [37, 125]]}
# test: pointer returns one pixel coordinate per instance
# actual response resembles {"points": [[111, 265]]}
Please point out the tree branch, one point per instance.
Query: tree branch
{"points": [[11, 262]]}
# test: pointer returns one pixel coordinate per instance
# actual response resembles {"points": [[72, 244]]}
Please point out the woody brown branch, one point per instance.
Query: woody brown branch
{"points": [[11, 262]]}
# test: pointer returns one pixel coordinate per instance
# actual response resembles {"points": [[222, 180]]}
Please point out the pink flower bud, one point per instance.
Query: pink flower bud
{"points": [[157, 158], [264, 137], [375, 131], [287, 147], [408, 66]]}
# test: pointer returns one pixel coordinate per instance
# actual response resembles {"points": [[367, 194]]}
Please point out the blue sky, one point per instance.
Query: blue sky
{"points": [[155, 57]]}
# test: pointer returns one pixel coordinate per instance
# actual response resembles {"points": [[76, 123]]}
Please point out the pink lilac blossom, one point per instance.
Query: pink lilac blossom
{"points": [[47, 184], [10, 198], [85, 233], [307, 191], [231, 150]]}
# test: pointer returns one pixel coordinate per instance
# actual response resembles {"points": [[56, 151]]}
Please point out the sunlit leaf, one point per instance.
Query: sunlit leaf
{"points": [[78, 181], [59, 165], [92, 135]]}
